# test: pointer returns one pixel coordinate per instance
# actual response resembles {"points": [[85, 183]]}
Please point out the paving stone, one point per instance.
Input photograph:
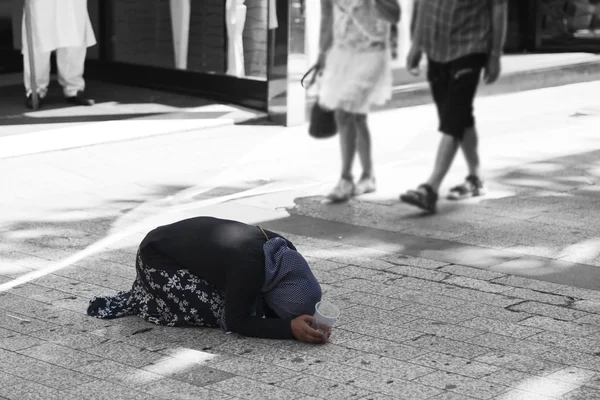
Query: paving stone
{"points": [[383, 331], [501, 328], [520, 363], [28, 390], [39, 293], [257, 371], [546, 310], [469, 272], [392, 367], [21, 323], [386, 348], [394, 387], [361, 312], [108, 267], [443, 329], [118, 373], [564, 327], [527, 294], [577, 376], [451, 316], [199, 375], [491, 312], [509, 377], [416, 272], [177, 390], [18, 342], [124, 354], [323, 388], [586, 345], [516, 394], [546, 386], [477, 284], [373, 300], [363, 285], [6, 379], [100, 279], [248, 389], [470, 295], [65, 336], [59, 355], [401, 259], [103, 390], [329, 277], [591, 306], [435, 300], [49, 375], [448, 346], [463, 385], [451, 396], [457, 365], [584, 393]]}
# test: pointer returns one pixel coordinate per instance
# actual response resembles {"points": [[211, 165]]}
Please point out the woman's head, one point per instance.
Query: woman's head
{"points": [[290, 287]]}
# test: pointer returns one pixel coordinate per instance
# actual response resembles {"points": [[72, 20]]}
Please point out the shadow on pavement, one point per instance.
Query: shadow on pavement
{"points": [[112, 102]]}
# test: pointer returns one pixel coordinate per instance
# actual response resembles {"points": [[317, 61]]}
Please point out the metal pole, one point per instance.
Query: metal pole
{"points": [[29, 33]]}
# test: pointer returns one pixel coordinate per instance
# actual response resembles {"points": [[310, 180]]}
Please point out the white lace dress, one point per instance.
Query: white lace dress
{"points": [[357, 72]]}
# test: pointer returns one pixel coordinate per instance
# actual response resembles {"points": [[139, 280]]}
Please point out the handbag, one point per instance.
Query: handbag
{"points": [[322, 123]]}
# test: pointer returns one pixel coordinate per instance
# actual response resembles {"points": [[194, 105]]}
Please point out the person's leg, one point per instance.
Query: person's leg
{"points": [[446, 153], [466, 90], [348, 138], [469, 146], [42, 72], [364, 145], [71, 65], [366, 183]]}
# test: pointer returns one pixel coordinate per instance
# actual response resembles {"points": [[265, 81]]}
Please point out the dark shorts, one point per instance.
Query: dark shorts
{"points": [[453, 85]]}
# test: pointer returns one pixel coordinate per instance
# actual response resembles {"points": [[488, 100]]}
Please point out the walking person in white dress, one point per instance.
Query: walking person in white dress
{"points": [[63, 26], [355, 60]]}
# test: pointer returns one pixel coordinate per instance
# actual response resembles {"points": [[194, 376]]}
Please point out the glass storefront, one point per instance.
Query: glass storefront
{"points": [[209, 36], [572, 24]]}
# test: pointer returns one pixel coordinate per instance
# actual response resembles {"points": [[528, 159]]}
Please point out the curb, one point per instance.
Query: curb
{"points": [[96, 133]]}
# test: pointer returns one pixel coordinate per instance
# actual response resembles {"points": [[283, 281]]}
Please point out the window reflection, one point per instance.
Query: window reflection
{"points": [[570, 19], [210, 36]]}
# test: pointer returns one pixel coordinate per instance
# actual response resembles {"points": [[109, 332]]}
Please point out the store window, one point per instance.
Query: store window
{"points": [[210, 36], [570, 20]]}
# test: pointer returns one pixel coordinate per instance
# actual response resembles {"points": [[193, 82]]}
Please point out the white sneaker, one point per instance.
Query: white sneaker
{"points": [[365, 185], [342, 191]]}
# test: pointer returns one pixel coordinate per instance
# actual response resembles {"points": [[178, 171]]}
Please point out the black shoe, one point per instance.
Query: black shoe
{"points": [[79, 100], [29, 102], [424, 197]]}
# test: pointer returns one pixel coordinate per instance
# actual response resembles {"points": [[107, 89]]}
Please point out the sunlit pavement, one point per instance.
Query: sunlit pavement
{"points": [[492, 298]]}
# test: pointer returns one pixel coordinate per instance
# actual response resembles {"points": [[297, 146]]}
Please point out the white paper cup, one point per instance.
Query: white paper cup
{"points": [[326, 314]]}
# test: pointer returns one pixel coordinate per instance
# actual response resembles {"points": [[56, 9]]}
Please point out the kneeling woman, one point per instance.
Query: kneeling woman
{"points": [[212, 272]]}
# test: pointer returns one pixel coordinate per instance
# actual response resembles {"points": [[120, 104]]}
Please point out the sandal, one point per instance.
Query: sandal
{"points": [[424, 197], [471, 187], [342, 191]]}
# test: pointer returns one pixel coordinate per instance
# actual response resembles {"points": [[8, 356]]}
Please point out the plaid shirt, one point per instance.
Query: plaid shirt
{"points": [[455, 28]]}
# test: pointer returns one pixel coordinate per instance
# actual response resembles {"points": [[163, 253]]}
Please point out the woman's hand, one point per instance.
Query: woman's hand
{"points": [[303, 332]]}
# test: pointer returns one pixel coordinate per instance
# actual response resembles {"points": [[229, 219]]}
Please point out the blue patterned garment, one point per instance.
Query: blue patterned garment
{"points": [[290, 288]]}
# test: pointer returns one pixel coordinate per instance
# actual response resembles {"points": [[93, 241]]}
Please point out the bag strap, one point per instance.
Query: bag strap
{"points": [[264, 233], [312, 70]]}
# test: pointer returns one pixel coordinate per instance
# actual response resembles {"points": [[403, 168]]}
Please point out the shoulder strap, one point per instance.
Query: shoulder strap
{"points": [[264, 233]]}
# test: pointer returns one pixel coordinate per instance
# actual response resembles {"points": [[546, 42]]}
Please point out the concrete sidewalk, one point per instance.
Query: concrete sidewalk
{"points": [[491, 299]]}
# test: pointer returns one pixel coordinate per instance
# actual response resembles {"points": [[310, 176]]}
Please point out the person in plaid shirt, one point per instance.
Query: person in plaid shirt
{"points": [[461, 38]]}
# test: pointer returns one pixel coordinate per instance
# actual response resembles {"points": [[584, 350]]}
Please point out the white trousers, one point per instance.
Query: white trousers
{"points": [[70, 62]]}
